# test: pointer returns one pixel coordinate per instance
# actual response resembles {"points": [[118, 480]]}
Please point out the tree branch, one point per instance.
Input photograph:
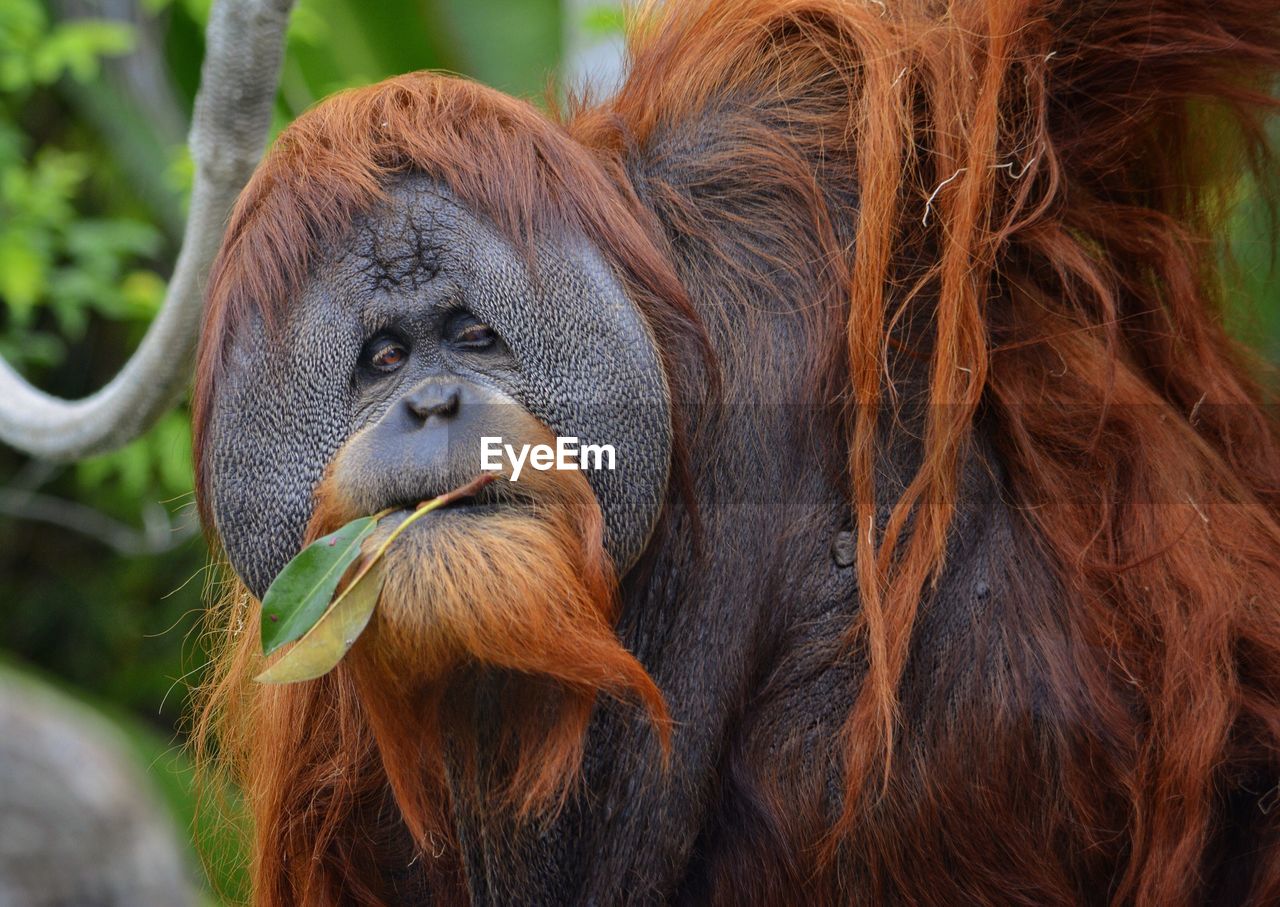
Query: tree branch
{"points": [[158, 536], [245, 44]]}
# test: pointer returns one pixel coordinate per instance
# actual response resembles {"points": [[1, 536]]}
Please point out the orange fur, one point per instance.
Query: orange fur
{"points": [[528, 592], [1042, 185]]}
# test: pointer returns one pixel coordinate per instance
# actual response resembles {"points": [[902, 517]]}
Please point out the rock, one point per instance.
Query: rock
{"points": [[80, 824]]}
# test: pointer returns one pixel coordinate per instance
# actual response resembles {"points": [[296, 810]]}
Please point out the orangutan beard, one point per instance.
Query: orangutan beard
{"points": [[494, 636]]}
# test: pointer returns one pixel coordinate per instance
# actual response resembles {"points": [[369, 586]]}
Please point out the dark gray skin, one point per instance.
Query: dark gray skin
{"points": [[420, 276], [427, 439]]}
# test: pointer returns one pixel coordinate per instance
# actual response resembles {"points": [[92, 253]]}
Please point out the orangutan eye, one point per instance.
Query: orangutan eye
{"points": [[384, 354], [468, 332]]}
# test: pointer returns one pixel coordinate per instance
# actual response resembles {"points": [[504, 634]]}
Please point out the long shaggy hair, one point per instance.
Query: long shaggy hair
{"points": [[1041, 187], [332, 768]]}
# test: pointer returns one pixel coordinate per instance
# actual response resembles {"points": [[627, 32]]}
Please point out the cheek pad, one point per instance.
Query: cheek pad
{"points": [[280, 415], [588, 367]]}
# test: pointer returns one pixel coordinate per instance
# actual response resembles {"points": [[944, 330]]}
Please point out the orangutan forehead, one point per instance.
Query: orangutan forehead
{"points": [[406, 241], [401, 250], [414, 233]]}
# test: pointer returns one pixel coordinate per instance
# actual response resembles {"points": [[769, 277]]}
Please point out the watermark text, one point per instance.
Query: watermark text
{"points": [[566, 454]]}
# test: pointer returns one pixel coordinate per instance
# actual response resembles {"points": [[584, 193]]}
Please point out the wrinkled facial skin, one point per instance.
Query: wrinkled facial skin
{"points": [[424, 331]]}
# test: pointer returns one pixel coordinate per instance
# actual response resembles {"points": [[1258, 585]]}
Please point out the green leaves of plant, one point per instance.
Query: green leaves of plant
{"points": [[333, 635], [303, 589], [298, 605]]}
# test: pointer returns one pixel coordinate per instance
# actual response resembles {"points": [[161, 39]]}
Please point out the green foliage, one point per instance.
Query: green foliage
{"points": [[91, 189], [52, 258], [1254, 315], [34, 52], [157, 466], [301, 593], [79, 282], [603, 21], [64, 266]]}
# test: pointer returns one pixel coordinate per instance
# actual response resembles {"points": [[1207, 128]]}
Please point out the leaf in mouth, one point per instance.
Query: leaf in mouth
{"points": [[333, 635], [302, 609], [302, 591]]}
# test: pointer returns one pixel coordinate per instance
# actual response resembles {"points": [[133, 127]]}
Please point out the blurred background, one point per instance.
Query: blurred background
{"points": [[102, 567]]}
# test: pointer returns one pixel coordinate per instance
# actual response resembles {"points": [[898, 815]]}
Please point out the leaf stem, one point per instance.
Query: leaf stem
{"points": [[420, 511]]}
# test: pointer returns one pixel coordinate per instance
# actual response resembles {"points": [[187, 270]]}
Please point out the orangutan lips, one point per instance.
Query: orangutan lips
{"points": [[301, 604]]}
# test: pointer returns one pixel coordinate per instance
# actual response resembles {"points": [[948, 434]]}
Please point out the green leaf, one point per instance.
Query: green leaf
{"points": [[299, 595], [333, 635], [309, 580], [22, 274], [76, 48]]}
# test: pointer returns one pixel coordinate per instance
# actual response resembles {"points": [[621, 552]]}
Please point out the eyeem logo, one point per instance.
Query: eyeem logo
{"points": [[565, 455]]}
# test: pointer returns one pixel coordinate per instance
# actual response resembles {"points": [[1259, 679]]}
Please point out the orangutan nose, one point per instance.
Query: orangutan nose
{"points": [[433, 400]]}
